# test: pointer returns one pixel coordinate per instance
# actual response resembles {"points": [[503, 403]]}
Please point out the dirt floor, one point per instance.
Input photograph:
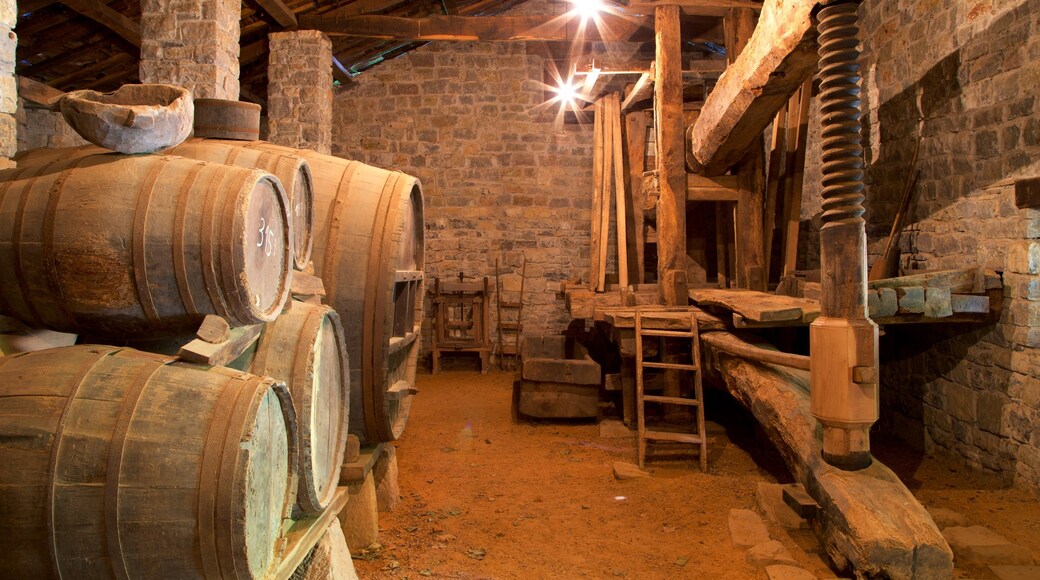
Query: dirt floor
{"points": [[484, 497]]}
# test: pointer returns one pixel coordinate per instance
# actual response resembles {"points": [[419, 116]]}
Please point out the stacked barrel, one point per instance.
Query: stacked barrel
{"points": [[142, 464]]}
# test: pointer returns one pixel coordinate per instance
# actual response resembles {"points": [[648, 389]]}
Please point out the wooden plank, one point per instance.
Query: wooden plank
{"points": [[303, 534], [277, 10], [620, 199], [635, 136], [781, 54], [39, 93], [625, 318], [356, 471], [795, 181], [694, 7], [99, 12], [597, 194], [774, 177], [642, 90], [220, 354], [753, 305], [607, 178], [214, 329], [671, 207]]}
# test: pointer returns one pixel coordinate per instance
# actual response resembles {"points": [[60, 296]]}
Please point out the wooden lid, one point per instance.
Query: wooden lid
{"points": [[223, 119], [262, 258]]}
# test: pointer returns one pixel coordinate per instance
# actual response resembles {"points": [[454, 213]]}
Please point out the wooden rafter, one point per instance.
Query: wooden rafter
{"points": [[281, 13], [99, 12]]}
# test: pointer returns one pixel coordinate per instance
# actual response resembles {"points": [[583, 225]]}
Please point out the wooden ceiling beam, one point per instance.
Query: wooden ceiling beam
{"points": [[643, 89], [114, 60], [99, 12], [281, 13], [458, 28], [692, 7]]}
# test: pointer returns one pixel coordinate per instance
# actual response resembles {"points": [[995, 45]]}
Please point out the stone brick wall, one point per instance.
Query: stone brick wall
{"points": [[38, 127], [501, 180], [193, 44], [8, 86], [961, 75], [299, 103]]}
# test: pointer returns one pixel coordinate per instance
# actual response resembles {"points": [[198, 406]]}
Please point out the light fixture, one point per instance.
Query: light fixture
{"points": [[586, 8]]}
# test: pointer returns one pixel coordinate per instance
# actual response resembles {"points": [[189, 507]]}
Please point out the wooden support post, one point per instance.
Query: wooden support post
{"points": [[597, 194], [605, 189], [620, 199], [671, 207], [795, 181]]}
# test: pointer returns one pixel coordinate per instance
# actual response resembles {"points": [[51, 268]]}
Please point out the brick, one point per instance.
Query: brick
{"points": [[980, 546]]}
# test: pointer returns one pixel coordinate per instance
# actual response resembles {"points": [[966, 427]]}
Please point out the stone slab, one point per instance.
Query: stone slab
{"points": [[552, 400], [768, 554], [1015, 572], [543, 346], [576, 372], [746, 529], [981, 546], [612, 429], [787, 572]]}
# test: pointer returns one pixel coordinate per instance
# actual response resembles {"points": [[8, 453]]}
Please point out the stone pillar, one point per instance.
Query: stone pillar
{"points": [[192, 43], [299, 90], [8, 86]]}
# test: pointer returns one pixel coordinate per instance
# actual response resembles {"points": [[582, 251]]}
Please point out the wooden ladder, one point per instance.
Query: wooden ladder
{"points": [[509, 329], [692, 334]]}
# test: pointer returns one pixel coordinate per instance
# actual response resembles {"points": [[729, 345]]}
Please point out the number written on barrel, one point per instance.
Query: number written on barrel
{"points": [[266, 235]]}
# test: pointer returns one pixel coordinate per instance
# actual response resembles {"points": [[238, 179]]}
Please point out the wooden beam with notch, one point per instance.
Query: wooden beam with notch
{"points": [[781, 54], [99, 12], [37, 92], [643, 89], [281, 13]]}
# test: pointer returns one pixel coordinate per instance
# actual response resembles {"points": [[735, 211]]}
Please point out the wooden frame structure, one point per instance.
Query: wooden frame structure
{"points": [[461, 313]]}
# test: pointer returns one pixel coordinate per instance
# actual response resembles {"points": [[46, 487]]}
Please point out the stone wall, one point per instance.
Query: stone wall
{"points": [[501, 180], [39, 127], [299, 103], [8, 86], [193, 44], [961, 75]]}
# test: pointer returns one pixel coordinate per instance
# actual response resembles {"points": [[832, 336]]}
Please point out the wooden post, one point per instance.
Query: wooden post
{"points": [[671, 207], [597, 194], [635, 134]]}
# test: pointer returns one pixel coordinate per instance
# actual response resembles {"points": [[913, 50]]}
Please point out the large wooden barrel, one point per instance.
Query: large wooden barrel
{"points": [[147, 244], [306, 349], [123, 464], [291, 170], [368, 251]]}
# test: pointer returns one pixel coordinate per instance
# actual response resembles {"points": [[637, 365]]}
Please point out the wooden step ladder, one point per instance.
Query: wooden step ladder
{"points": [[509, 327], [692, 334]]}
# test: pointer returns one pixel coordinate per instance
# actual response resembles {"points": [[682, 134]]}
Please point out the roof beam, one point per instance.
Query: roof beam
{"points": [[99, 12], [459, 28], [642, 90], [782, 52], [692, 7], [281, 13]]}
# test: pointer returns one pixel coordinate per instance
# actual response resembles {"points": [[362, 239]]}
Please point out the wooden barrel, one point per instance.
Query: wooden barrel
{"points": [[223, 119], [368, 251], [291, 170], [123, 464], [126, 245], [306, 349]]}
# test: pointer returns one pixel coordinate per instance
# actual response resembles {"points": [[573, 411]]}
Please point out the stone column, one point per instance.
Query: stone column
{"points": [[8, 86], [299, 90], [192, 43]]}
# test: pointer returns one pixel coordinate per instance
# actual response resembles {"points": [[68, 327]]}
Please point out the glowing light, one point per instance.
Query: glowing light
{"points": [[587, 8], [566, 92], [620, 498]]}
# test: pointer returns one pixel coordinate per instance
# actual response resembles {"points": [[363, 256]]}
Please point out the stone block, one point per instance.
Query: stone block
{"points": [[575, 372], [613, 429], [624, 471], [746, 529], [360, 517], [980, 546], [768, 554], [388, 491], [544, 346], [554, 400], [946, 518]]}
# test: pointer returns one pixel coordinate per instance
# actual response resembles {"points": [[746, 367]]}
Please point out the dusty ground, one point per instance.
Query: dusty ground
{"points": [[483, 497]]}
